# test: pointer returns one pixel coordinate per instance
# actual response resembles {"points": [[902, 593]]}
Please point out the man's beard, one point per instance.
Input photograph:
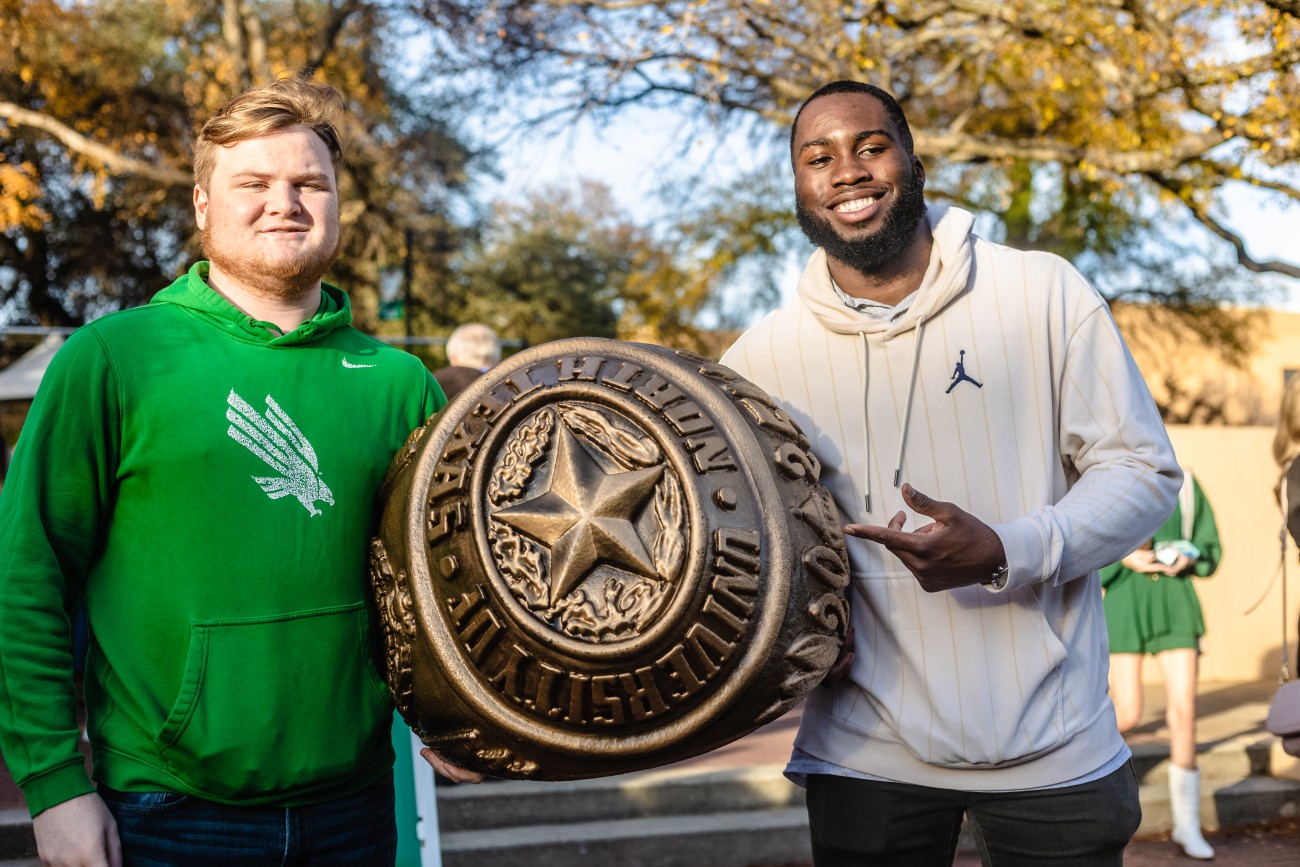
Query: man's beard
{"points": [[283, 279], [870, 254]]}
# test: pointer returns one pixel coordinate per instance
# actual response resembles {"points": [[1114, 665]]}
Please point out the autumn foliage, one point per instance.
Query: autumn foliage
{"points": [[1125, 101], [99, 106]]}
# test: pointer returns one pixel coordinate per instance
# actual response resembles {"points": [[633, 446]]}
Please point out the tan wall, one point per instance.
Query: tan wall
{"points": [[1189, 378], [1277, 350], [1236, 470]]}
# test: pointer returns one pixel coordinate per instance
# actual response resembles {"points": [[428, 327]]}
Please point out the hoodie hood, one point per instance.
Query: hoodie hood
{"points": [[945, 279], [191, 291]]}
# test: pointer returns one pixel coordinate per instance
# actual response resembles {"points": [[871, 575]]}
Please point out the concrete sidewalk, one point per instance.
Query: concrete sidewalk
{"points": [[732, 806], [1227, 714]]}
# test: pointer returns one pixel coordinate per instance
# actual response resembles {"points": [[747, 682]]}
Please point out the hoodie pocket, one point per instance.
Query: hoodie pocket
{"points": [[959, 682], [274, 703]]}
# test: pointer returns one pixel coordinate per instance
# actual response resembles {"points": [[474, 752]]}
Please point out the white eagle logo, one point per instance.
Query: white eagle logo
{"points": [[277, 441]]}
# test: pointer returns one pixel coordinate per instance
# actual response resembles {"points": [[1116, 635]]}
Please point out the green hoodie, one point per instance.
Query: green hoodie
{"points": [[209, 485]]}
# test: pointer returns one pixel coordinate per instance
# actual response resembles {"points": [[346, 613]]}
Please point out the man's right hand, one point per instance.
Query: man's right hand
{"points": [[78, 833], [956, 549]]}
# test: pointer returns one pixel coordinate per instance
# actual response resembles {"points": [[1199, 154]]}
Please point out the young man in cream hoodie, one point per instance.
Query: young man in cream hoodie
{"points": [[919, 357]]}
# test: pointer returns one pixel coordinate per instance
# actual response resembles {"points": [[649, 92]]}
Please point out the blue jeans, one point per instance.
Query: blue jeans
{"points": [[166, 829], [859, 823]]}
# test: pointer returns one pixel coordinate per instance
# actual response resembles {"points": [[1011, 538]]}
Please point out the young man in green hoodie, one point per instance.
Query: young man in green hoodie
{"points": [[203, 471]]}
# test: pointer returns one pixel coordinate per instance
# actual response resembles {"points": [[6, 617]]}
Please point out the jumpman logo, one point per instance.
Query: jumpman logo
{"points": [[959, 374]]}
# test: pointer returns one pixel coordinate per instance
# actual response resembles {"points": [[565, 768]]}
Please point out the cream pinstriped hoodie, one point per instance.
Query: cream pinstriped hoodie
{"points": [[1059, 448]]}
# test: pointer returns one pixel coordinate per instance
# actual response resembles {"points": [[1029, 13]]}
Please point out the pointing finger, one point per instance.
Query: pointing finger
{"points": [[914, 498], [860, 530], [894, 540], [868, 531]]}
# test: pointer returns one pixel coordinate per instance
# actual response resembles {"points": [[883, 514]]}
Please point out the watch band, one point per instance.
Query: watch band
{"points": [[998, 579]]}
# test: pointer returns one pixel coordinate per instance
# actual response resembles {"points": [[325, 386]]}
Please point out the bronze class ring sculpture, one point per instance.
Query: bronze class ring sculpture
{"points": [[603, 557]]}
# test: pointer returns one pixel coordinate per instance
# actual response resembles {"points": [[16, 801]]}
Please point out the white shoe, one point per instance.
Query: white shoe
{"points": [[1185, 800]]}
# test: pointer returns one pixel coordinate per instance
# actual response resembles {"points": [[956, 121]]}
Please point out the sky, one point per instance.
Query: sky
{"points": [[634, 154]]}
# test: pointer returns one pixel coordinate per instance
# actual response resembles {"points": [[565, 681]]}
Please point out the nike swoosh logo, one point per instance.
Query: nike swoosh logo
{"points": [[350, 366]]}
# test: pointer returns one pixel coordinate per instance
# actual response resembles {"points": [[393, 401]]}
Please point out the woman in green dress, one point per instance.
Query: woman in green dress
{"points": [[1152, 608]]}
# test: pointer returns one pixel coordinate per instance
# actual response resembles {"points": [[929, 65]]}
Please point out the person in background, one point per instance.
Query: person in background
{"points": [[211, 498], [1152, 608], [472, 349], [989, 444], [1286, 451]]}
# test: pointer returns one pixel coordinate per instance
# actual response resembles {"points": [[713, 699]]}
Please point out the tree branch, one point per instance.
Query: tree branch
{"points": [[1286, 7], [115, 162], [964, 148], [1230, 173], [329, 35], [1202, 215], [232, 31], [255, 40]]}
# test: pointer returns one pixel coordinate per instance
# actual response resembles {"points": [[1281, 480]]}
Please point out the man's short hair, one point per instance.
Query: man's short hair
{"points": [[473, 345], [892, 108], [267, 110]]}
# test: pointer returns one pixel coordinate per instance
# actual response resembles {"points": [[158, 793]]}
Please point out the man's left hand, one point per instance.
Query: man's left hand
{"points": [[453, 772], [956, 550]]}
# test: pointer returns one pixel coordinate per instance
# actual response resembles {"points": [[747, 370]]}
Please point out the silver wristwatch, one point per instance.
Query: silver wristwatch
{"points": [[998, 579]]}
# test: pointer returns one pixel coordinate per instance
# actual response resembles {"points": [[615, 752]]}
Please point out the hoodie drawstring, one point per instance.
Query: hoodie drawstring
{"points": [[911, 393], [907, 411], [866, 430]]}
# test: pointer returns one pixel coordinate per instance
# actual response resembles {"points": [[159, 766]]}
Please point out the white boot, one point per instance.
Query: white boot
{"points": [[1185, 799]]}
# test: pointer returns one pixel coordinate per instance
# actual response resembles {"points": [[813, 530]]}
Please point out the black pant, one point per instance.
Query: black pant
{"points": [[859, 823]]}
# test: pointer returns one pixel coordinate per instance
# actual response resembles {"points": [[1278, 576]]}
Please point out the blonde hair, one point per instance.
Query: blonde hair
{"points": [[1286, 442], [473, 345], [266, 110]]}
